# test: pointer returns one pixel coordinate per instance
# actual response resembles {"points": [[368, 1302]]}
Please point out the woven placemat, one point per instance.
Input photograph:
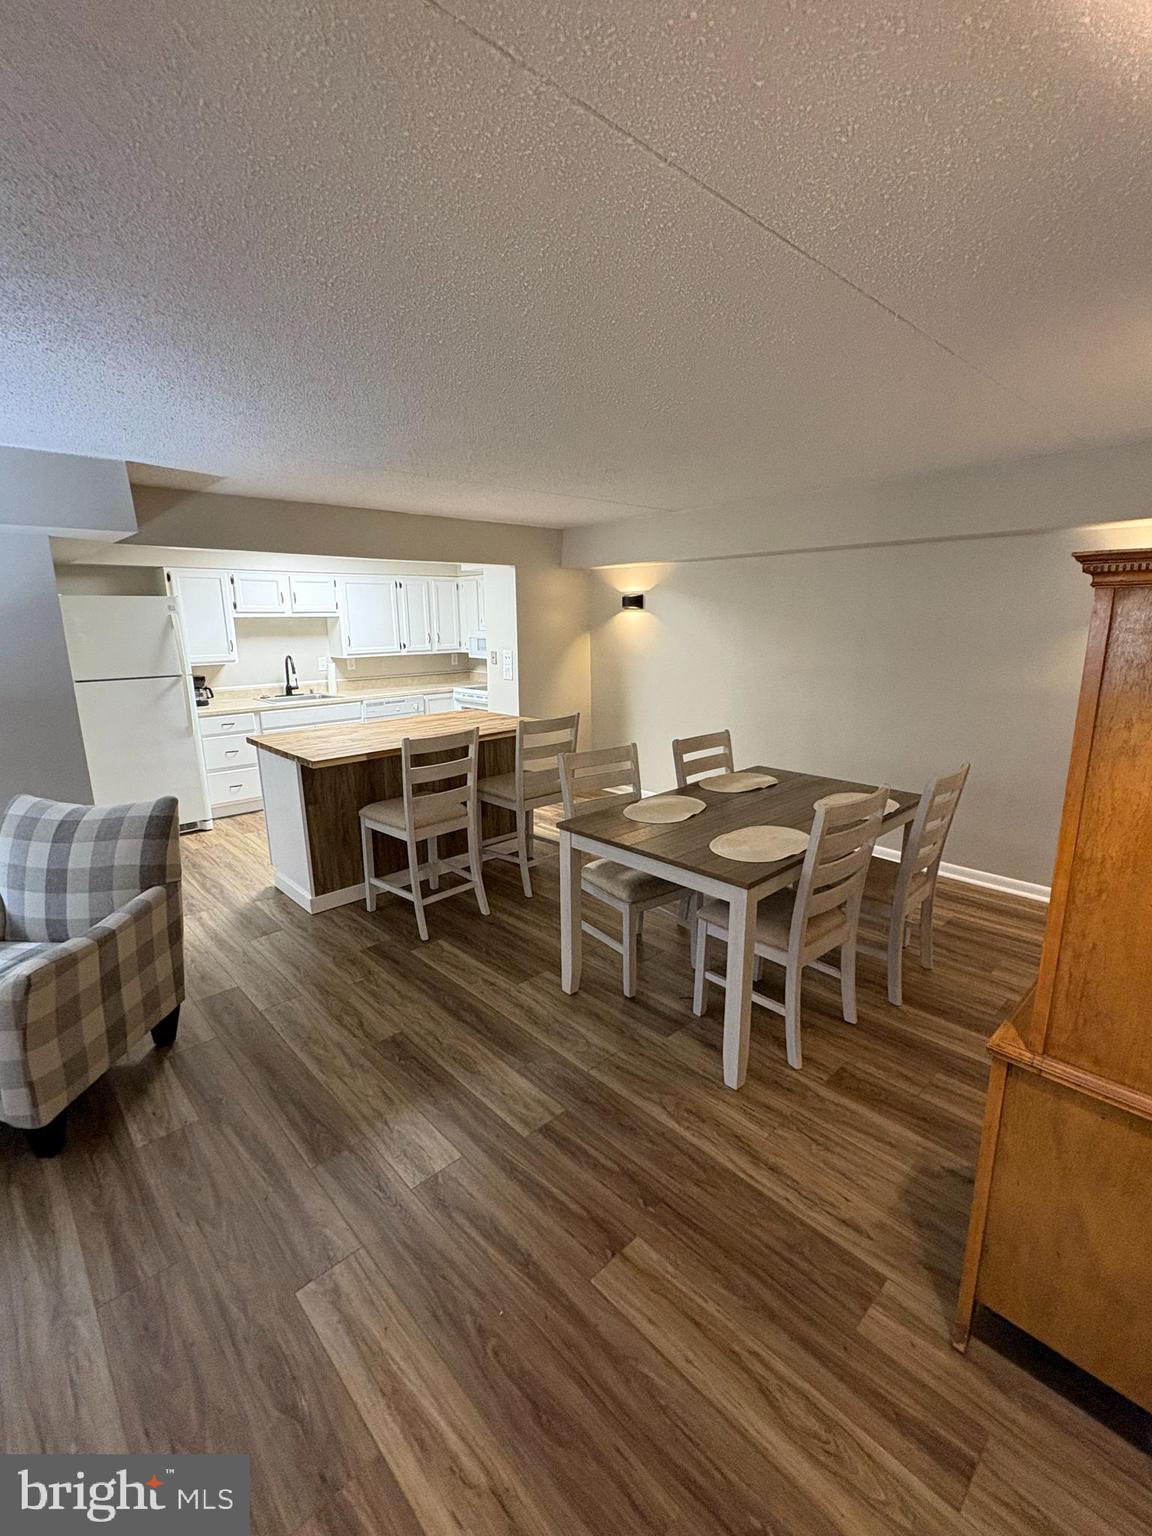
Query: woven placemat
{"points": [[848, 795], [664, 808], [760, 845], [738, 783]]}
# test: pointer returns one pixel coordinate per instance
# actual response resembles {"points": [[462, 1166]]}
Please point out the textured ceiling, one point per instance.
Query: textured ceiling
{"points": [[553, 262]]}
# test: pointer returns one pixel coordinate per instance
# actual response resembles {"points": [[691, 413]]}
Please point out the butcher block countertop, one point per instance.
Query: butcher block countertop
{"points": [[327, 746]]}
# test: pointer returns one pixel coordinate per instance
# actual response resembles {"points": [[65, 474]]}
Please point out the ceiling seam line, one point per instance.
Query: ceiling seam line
{"points": [[721, 197]]}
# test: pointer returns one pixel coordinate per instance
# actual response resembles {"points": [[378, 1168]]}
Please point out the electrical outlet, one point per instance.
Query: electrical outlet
{"points": [[455, 658], [351, 664]]}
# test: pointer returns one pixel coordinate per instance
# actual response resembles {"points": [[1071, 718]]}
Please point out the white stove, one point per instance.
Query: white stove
{"points": [[470, 698]]}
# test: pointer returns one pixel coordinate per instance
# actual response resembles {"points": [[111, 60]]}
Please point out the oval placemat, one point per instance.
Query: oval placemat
{"points": [[662, 808], [738, 783], [850, 794], [760, 845]]}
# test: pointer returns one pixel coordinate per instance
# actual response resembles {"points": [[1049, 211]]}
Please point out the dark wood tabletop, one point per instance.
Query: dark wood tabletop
{"points": [[684, 844]]}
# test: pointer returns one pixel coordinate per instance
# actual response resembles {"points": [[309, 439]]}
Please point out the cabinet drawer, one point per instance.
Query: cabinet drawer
{"points": [[227, 725], [222, 752], [230, 785], [309, 714], [389, 709]]}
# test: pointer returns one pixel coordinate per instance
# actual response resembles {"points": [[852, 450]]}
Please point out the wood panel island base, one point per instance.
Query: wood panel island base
{"points": [[315, 781]]}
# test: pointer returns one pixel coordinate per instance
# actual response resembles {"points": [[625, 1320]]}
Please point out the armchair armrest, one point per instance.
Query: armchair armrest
{"points": [[72, 1011]]}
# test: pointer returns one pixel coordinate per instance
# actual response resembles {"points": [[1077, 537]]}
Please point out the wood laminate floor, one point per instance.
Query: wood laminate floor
{"points": [[448, 1252]]}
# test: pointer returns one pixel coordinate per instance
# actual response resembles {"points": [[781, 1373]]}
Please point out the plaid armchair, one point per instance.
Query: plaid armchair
{"points": [[91, 949]]}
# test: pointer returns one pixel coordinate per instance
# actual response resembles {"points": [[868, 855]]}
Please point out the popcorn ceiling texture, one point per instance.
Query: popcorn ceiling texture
{"points": [[558, 262]]}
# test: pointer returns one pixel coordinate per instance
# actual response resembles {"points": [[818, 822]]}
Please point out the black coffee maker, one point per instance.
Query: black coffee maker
{"points": [[204, 694]]}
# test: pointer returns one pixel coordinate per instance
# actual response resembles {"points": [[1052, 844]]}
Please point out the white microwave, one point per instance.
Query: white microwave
{"points": [[478, 647]]}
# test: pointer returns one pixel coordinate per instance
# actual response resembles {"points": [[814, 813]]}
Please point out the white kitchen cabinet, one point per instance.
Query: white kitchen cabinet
{"points": [[416, 614], [205, 599], [258, 593], [445, 601], [310, 595], [369, 618], [438, 703], [470, 596]]}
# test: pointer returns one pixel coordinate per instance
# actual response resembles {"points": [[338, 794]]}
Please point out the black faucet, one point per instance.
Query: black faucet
{"points": [[291, 681]]}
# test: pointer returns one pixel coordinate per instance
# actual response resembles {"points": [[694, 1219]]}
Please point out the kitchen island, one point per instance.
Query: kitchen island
{"points": [[314, 782]]}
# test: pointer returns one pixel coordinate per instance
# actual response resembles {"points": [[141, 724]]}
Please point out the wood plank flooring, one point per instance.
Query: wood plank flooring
{"points": [[448, 1252]]}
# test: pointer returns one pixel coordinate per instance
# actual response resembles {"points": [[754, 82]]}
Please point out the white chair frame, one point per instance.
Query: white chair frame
{"points": [[539, 746], [695, 756], [610, 768], [832, 878], [461, 813], [914, 899]]}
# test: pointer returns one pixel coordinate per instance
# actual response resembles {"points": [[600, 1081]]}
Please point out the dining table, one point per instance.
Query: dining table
{"points": [[681, 853]]}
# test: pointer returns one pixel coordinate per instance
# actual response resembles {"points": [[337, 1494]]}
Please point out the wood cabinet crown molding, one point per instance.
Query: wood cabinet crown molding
{"points": [[1117, 567]]}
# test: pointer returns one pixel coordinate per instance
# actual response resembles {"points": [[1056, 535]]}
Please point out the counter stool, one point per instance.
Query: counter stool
{"points": [[535, 783], [426, 817]]}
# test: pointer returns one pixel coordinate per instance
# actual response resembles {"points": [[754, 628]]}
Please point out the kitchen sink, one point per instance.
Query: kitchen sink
{"points": [[301, 696]]}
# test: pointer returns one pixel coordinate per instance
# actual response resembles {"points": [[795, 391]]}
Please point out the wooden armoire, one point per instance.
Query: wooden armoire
{"points": [[1060, 1238]]}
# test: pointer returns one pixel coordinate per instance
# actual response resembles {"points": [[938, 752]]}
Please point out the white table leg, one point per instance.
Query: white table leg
{"points": [[571, 932], [738, 989]]}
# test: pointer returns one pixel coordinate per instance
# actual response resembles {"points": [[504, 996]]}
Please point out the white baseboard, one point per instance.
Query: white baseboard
{"points": [[301, 897], [983, 877]]}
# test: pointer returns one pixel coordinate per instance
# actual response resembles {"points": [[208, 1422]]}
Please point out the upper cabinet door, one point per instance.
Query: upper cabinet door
{"points": [[416, 614], [312, 594], [445, 614], [205, 599], [471, 594], [256, 592], [369, 617]]}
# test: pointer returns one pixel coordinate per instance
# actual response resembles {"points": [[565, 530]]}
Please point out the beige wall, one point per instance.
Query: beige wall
{"points": [[41, 748], [877, 664]]}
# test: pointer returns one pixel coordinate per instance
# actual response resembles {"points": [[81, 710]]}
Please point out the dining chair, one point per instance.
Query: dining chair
{"points": [[424, 815], [630, 891], [695, 756], [899, 893], [535, 782], [795, 927]]}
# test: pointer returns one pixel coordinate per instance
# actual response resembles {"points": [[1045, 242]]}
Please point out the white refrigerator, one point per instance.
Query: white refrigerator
{"points": [[137, 709]]}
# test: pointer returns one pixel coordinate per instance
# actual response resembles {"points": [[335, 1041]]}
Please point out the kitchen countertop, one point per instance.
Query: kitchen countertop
{"points": [[356, 741], [248, 700]]}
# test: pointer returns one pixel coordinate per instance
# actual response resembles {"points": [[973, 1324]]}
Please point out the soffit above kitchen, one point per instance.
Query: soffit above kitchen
{"points": [[524, 260]]}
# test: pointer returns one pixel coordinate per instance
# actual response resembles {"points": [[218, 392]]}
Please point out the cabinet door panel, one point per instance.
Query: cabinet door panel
{"points": [[312, 594], [370, 620], [416, 619], [468, 590], [445, 615], [205, 599], [256, 592]]}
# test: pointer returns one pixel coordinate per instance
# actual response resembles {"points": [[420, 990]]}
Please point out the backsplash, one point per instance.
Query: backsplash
{"points": [[262, 644]]}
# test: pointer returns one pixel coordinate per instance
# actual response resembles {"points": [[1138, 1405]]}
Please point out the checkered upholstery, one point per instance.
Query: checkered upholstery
{"points": [[92, 951], [65, 867]]}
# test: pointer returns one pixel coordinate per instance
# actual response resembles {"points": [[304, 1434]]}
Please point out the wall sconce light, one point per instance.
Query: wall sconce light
{"points": [[632, 600]]}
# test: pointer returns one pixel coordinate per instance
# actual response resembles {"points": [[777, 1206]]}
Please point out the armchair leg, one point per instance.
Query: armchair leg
{"points": [[48, 1140], [165, 1032]]}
